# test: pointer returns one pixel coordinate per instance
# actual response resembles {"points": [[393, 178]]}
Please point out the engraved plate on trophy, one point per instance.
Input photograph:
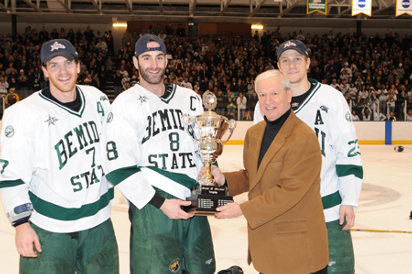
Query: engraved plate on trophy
{"points": [[208, 129]]}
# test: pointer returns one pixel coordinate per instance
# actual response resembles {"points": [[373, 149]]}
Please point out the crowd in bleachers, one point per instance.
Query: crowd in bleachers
{"points": [[374, 72]]}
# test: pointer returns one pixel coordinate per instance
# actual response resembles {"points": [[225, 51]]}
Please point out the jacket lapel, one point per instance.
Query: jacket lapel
{"points": [[254, 144]]}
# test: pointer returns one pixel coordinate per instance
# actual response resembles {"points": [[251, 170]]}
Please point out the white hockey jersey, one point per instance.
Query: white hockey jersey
{"points": [[51, 157], [148, 145], [326, 111]]}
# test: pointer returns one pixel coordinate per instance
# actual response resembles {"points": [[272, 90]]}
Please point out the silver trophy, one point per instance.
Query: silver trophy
{"points": [[207, 130]]}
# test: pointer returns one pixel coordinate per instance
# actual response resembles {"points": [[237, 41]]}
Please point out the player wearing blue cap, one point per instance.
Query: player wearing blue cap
{"points": [[52, 182], [325, 110], [152, 159]]}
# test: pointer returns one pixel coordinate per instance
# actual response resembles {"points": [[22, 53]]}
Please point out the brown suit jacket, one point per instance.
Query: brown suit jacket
{"points": [[286, 227]]}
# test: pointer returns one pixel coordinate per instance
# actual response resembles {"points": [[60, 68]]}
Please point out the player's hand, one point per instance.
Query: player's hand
{"points": [[172, 208], [216, 173], [346, 211], [26, 237], [228, 211]]}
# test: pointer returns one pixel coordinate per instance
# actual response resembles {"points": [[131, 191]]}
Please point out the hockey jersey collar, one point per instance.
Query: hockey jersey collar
{"points": [[314, 87], [82, 100]]}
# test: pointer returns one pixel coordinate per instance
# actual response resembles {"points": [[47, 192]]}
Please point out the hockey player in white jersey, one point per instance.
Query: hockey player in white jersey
{"points": [[325, 110], [153, 161], [51, 180]]}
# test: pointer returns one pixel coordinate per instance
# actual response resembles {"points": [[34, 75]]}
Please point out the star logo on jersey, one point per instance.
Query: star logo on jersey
{"points": [[109, 117], [9, 131], [103, 98], [56, 46], [51, 120], [142, 99], [324, 108], [174, 265]]}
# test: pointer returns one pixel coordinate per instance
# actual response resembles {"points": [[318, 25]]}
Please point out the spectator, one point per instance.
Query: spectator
{"points": [[241, 102], [230, 105], [366, 114], [221, 103], [392, 116], [11, 98], [355, 116], [125, 79], [409, 115], [4, 86]]}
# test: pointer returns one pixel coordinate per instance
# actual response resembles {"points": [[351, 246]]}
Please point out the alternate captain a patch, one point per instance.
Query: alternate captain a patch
{"points": [[174, 265]]}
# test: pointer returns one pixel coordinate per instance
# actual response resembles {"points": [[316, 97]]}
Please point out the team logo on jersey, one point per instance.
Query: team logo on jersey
{"points": [[174, 265], [9, 131], [109, 117], [51, 120], [142, 99], [348, 117], [324, 108], [104, 98], [209, 261]]}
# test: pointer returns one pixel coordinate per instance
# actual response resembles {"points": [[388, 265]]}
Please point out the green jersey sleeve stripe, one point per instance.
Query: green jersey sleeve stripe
{"points": [[11, 183], [179, 178], [70, 214], [117, 176], [331, 200], [345, 170]]}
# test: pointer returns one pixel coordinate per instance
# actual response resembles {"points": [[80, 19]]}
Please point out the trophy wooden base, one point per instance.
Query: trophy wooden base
{"points": [[207, 199]]}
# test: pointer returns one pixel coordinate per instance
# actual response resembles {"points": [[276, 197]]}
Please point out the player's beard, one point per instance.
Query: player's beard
{"points": [[154, 80]]}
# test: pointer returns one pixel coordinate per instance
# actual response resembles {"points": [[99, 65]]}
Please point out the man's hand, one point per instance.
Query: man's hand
{"points": [[228, 211], [348, 212], [172, 209], [25, 238], [216, 173]]}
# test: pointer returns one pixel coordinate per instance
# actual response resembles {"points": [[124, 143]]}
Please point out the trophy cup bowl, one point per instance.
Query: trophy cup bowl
{"points": [[207, 129]]}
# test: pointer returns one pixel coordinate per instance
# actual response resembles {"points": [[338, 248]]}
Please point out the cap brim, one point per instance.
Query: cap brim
{"points": [[68, 56]]}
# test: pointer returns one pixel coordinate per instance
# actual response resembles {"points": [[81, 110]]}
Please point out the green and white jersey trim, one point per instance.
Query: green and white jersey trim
{"points": [[148, 145], [52, 157], [77, 113], [176, 184]]}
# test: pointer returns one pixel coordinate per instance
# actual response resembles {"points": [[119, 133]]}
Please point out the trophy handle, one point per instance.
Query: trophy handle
{"points": [[231, 126]]}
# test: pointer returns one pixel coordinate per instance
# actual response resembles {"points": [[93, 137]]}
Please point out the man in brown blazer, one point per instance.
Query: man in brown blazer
{"points": [[282, 160]]}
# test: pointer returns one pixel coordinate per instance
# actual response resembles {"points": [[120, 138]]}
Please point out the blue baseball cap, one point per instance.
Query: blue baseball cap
{"points": [[297, 45], [57, 47], [141, 44]]}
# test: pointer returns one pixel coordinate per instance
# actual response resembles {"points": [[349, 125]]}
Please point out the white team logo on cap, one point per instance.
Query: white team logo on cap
{"points": [[56, 46], [289, 44]]}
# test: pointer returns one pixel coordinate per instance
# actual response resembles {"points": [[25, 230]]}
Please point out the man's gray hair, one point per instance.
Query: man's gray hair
{"points": [[272, 73]]}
